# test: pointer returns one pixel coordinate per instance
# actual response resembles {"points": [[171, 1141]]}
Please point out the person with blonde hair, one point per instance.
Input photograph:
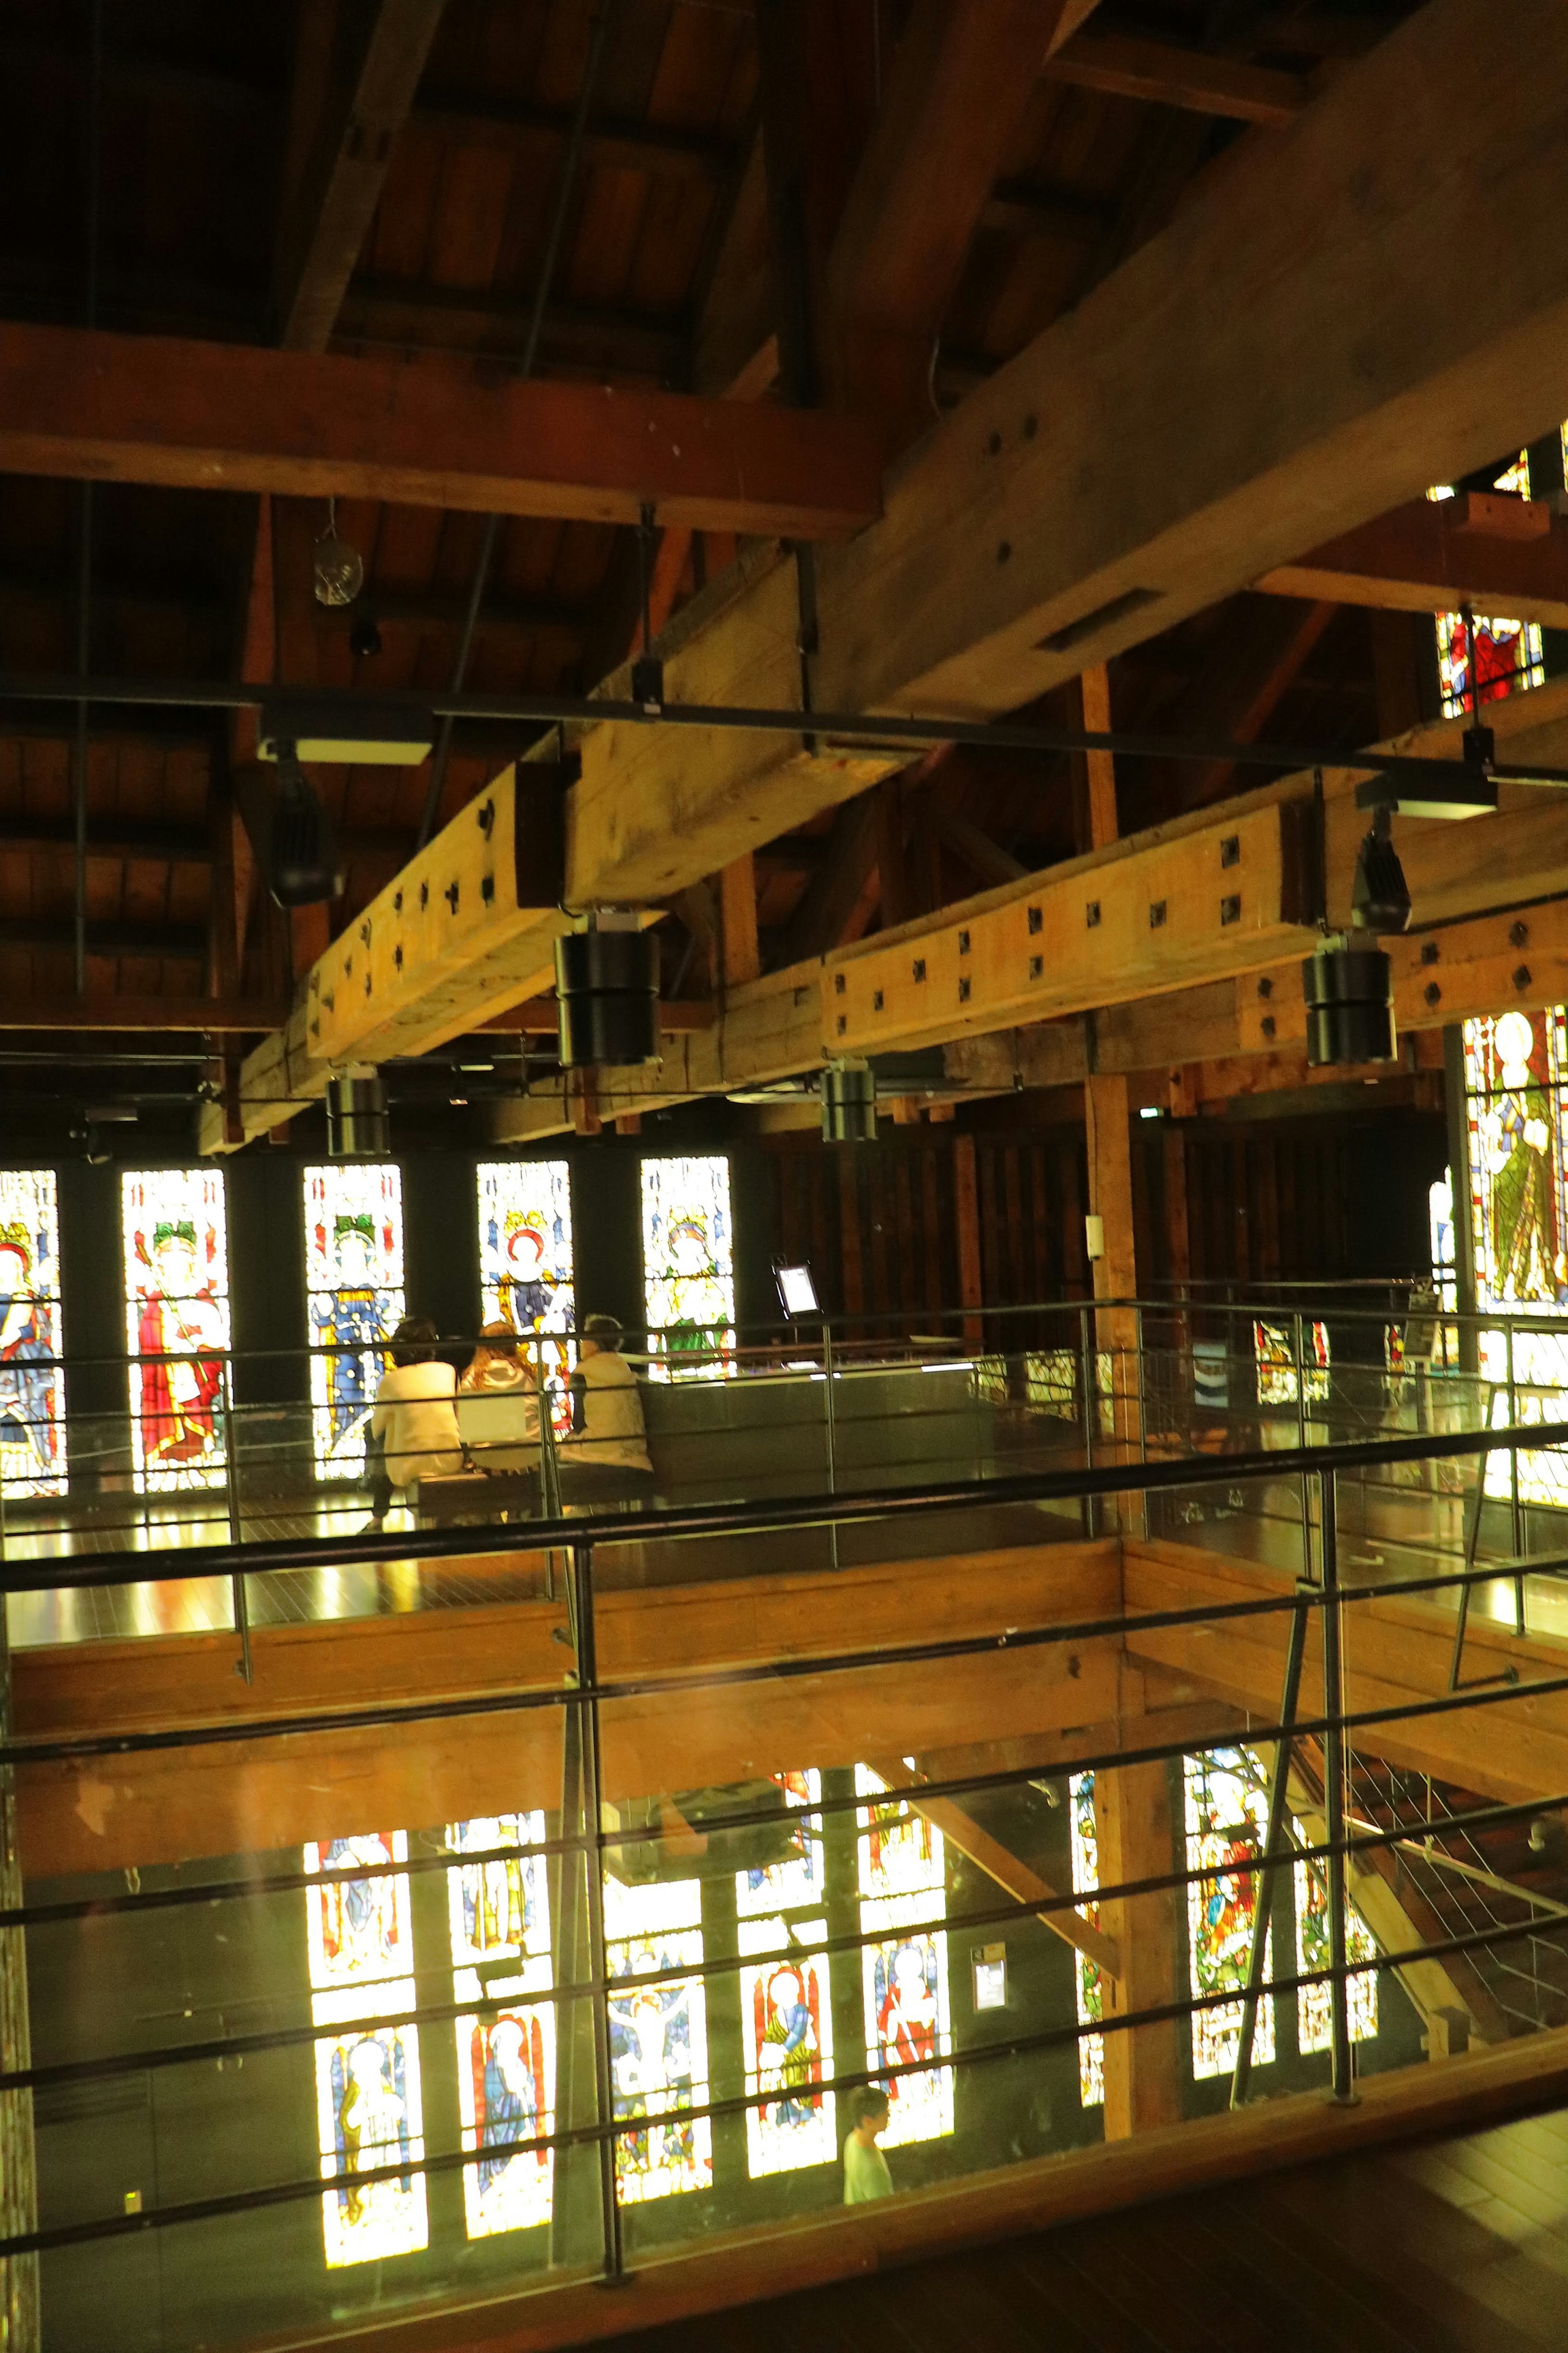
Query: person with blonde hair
{"points": [[499, 1363]]}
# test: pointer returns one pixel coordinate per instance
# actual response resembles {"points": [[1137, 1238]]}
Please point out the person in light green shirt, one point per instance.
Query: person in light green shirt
{"points": [[865, 2174]]}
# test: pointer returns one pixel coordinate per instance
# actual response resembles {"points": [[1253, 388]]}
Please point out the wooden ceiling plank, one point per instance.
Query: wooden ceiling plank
{"points": [[223, 417], [338, 194], [961, 85]]}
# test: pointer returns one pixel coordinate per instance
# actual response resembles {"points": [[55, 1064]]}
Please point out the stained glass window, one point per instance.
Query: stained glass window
{"points": [[689, 1266], [499, 1910], [786, 2020], [780, 1886], [658, 2040], [786, 2013], [1227, 1818], [1315, 2003], [902, 1876], [353, 1282], [526, 1262], [1509, 656], [1091, 1988], [176, 1324], [1445, 1259], [1516, 1088], [1050, 1382], [1274, 1347], [32, 1385], [368, 2109]]}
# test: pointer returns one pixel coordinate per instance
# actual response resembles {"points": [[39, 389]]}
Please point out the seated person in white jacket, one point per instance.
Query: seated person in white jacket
{"points": [[416, 1415], [607, 1427]]}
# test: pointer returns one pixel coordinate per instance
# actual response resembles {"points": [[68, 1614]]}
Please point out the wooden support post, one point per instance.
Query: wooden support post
{"points": [[1099, 767], [1106, 1124], [966, 1203], [889, 804], [1136, 1833], [738, 921]]}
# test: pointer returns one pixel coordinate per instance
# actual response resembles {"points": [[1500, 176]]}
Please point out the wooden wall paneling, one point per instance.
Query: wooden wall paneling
{"points": [[1043, 1285], [930, 1222], [1268, 1243], [966, 1220], [877, 1189], [1178, 1252], [909, 1281], [849, 1234]]}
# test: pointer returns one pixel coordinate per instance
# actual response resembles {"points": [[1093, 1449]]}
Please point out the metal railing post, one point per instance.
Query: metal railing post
{"points": [[1091, 1407], [1341, 2081], [1277, 1788], [830, 1434], [1517, 1527], [245, 1669], [587, 1709]]}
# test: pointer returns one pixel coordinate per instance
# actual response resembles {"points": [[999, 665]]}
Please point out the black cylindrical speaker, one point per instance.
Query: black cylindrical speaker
{"points": [[358, 1127], [1349, 1006], [848, 1103], [606, 987]]}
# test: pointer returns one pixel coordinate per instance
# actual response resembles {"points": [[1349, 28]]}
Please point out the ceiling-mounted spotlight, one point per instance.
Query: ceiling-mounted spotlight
{"points": [[337, 569], [1380, 896], [364, 638], [302, 864], [848, 1103], [358, 1127], [1349, 988], [606, 989]]}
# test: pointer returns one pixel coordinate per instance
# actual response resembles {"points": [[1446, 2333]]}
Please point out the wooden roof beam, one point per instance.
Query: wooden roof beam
{"points": [[413, 315], [1019, 546], [1158, 74], [221, 417], [1434, 556]]}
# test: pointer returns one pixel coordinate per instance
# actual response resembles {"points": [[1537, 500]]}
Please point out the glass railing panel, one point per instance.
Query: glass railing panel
{"points": [[363, 2008]]}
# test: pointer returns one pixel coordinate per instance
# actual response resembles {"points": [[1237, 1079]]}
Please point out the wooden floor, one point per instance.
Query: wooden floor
{"points": [[1455, 2246]]}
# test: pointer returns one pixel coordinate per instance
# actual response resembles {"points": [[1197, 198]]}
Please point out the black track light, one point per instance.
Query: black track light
{"points": [[302, 864], [364, 638], [1380, 896], [1349, 988], [606, 988], [848, 1103], [357, 1122]]}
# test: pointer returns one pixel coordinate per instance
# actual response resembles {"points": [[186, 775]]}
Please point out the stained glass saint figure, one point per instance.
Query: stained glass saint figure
{"points": [[177, 1277], [1089, 1985], [1227, 1811], [354, 1273], [32, 1389], [688, 1263], [658, 2040]]}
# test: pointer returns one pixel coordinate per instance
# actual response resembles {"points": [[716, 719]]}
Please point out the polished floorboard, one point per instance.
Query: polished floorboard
{"points": [[1456, 2246]]}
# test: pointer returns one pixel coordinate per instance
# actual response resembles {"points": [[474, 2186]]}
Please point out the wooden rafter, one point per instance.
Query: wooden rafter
{"points": [[1434, 555], [341, 184], [223, 417]]}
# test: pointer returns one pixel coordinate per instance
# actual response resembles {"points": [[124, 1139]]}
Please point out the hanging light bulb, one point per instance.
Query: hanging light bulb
{"points": [[337, 569]]}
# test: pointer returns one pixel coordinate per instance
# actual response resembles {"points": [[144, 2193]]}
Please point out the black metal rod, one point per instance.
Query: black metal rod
{"points": [[1012, 2047], [1334, 1787], [855, 1508], [566, 188], [1278, 1782], [849, 726], [93, 178], [593, 1824]]}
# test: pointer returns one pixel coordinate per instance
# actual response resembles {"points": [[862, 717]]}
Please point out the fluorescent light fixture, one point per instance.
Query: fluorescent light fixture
{"points": [[797, 1292], [1149, 1111], [990, 1966], [356, 734]]}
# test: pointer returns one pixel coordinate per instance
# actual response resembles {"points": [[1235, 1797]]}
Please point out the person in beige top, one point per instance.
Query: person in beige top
{"points": [[607, 1426], [416, 1415]]}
